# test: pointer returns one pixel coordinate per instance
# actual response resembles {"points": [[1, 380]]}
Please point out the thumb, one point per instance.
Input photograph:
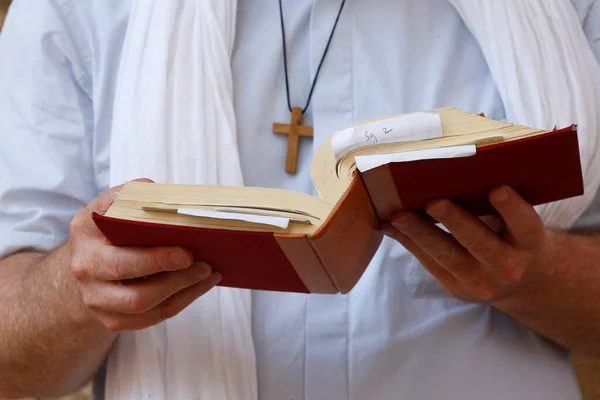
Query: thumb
{"points": [[106, 198]]}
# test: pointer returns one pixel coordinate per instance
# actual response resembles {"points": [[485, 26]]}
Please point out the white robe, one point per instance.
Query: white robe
{"points": [[171, 104]]}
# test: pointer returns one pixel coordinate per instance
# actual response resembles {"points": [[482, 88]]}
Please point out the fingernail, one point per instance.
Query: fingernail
{"points": [[202, 270], [437, 209], [500, 195], [216, 278], [400, 221], [180, 258], [145, 180], [388, 229]]}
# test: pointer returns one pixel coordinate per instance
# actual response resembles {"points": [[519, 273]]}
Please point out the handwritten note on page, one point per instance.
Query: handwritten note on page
{"points": [[405, 128]]}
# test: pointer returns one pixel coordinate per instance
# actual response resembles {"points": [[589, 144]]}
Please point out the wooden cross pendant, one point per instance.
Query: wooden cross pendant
{"points": [[294, 130]]}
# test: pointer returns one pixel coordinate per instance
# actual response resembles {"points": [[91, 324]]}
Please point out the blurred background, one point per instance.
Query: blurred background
{"points": [[587, 368]]}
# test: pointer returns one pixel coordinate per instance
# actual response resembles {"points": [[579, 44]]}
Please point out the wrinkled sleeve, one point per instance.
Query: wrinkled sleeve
{"points": [[589, 15], [46, 120]]}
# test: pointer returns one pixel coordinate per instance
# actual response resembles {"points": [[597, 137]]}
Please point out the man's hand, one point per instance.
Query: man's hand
{"points": [[480, 259], [130, 288], [545, 279]]}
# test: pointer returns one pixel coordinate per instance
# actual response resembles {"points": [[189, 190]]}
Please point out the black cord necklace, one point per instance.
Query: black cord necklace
{"points": [[295, 129]]}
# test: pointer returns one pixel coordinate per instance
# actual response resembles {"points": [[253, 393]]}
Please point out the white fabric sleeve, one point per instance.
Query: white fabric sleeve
{"points": [[589, 14], [46, 170]]}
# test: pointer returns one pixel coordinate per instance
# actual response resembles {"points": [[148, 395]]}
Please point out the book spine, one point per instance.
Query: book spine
{"points": [[306, 262], [349, 238]]}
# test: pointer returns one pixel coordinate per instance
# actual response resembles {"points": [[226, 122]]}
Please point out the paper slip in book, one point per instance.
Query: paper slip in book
{"points": [[272, 239]]}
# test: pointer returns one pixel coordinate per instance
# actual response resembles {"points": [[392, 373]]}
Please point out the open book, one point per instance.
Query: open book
{"points": [[272, 239]]}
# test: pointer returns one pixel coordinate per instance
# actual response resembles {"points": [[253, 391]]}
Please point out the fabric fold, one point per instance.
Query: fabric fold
{"points": [[174, 122], [547, 76]]}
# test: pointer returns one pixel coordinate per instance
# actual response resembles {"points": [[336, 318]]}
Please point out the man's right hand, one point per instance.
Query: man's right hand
{"points": [[129, 288]]}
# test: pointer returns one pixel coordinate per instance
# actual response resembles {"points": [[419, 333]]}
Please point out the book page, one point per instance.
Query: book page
{"points": [[403, 128], [238, 213], [365, 163], [279, 222]]}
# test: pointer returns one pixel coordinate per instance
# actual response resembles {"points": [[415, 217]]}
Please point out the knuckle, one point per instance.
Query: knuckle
{"points": [[79, 222], [446, 256], [476, 246], [484, 291], [114, 266], [513, 269], [137, 302], [113, 324], [513, 274], [76, 223], [89, 300], [78, 267], [114, 269], [155, 261], [104, 200]]}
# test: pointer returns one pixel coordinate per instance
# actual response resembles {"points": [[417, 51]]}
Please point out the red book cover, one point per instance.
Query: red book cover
{"points": [[542, 169], [246, 259], [331, 260]]}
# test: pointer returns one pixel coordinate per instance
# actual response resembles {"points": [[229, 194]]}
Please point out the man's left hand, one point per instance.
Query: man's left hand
{"points": [[481, 259]]}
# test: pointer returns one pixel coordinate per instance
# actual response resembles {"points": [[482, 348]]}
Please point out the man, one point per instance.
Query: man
{"points": [[66, 294]]}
